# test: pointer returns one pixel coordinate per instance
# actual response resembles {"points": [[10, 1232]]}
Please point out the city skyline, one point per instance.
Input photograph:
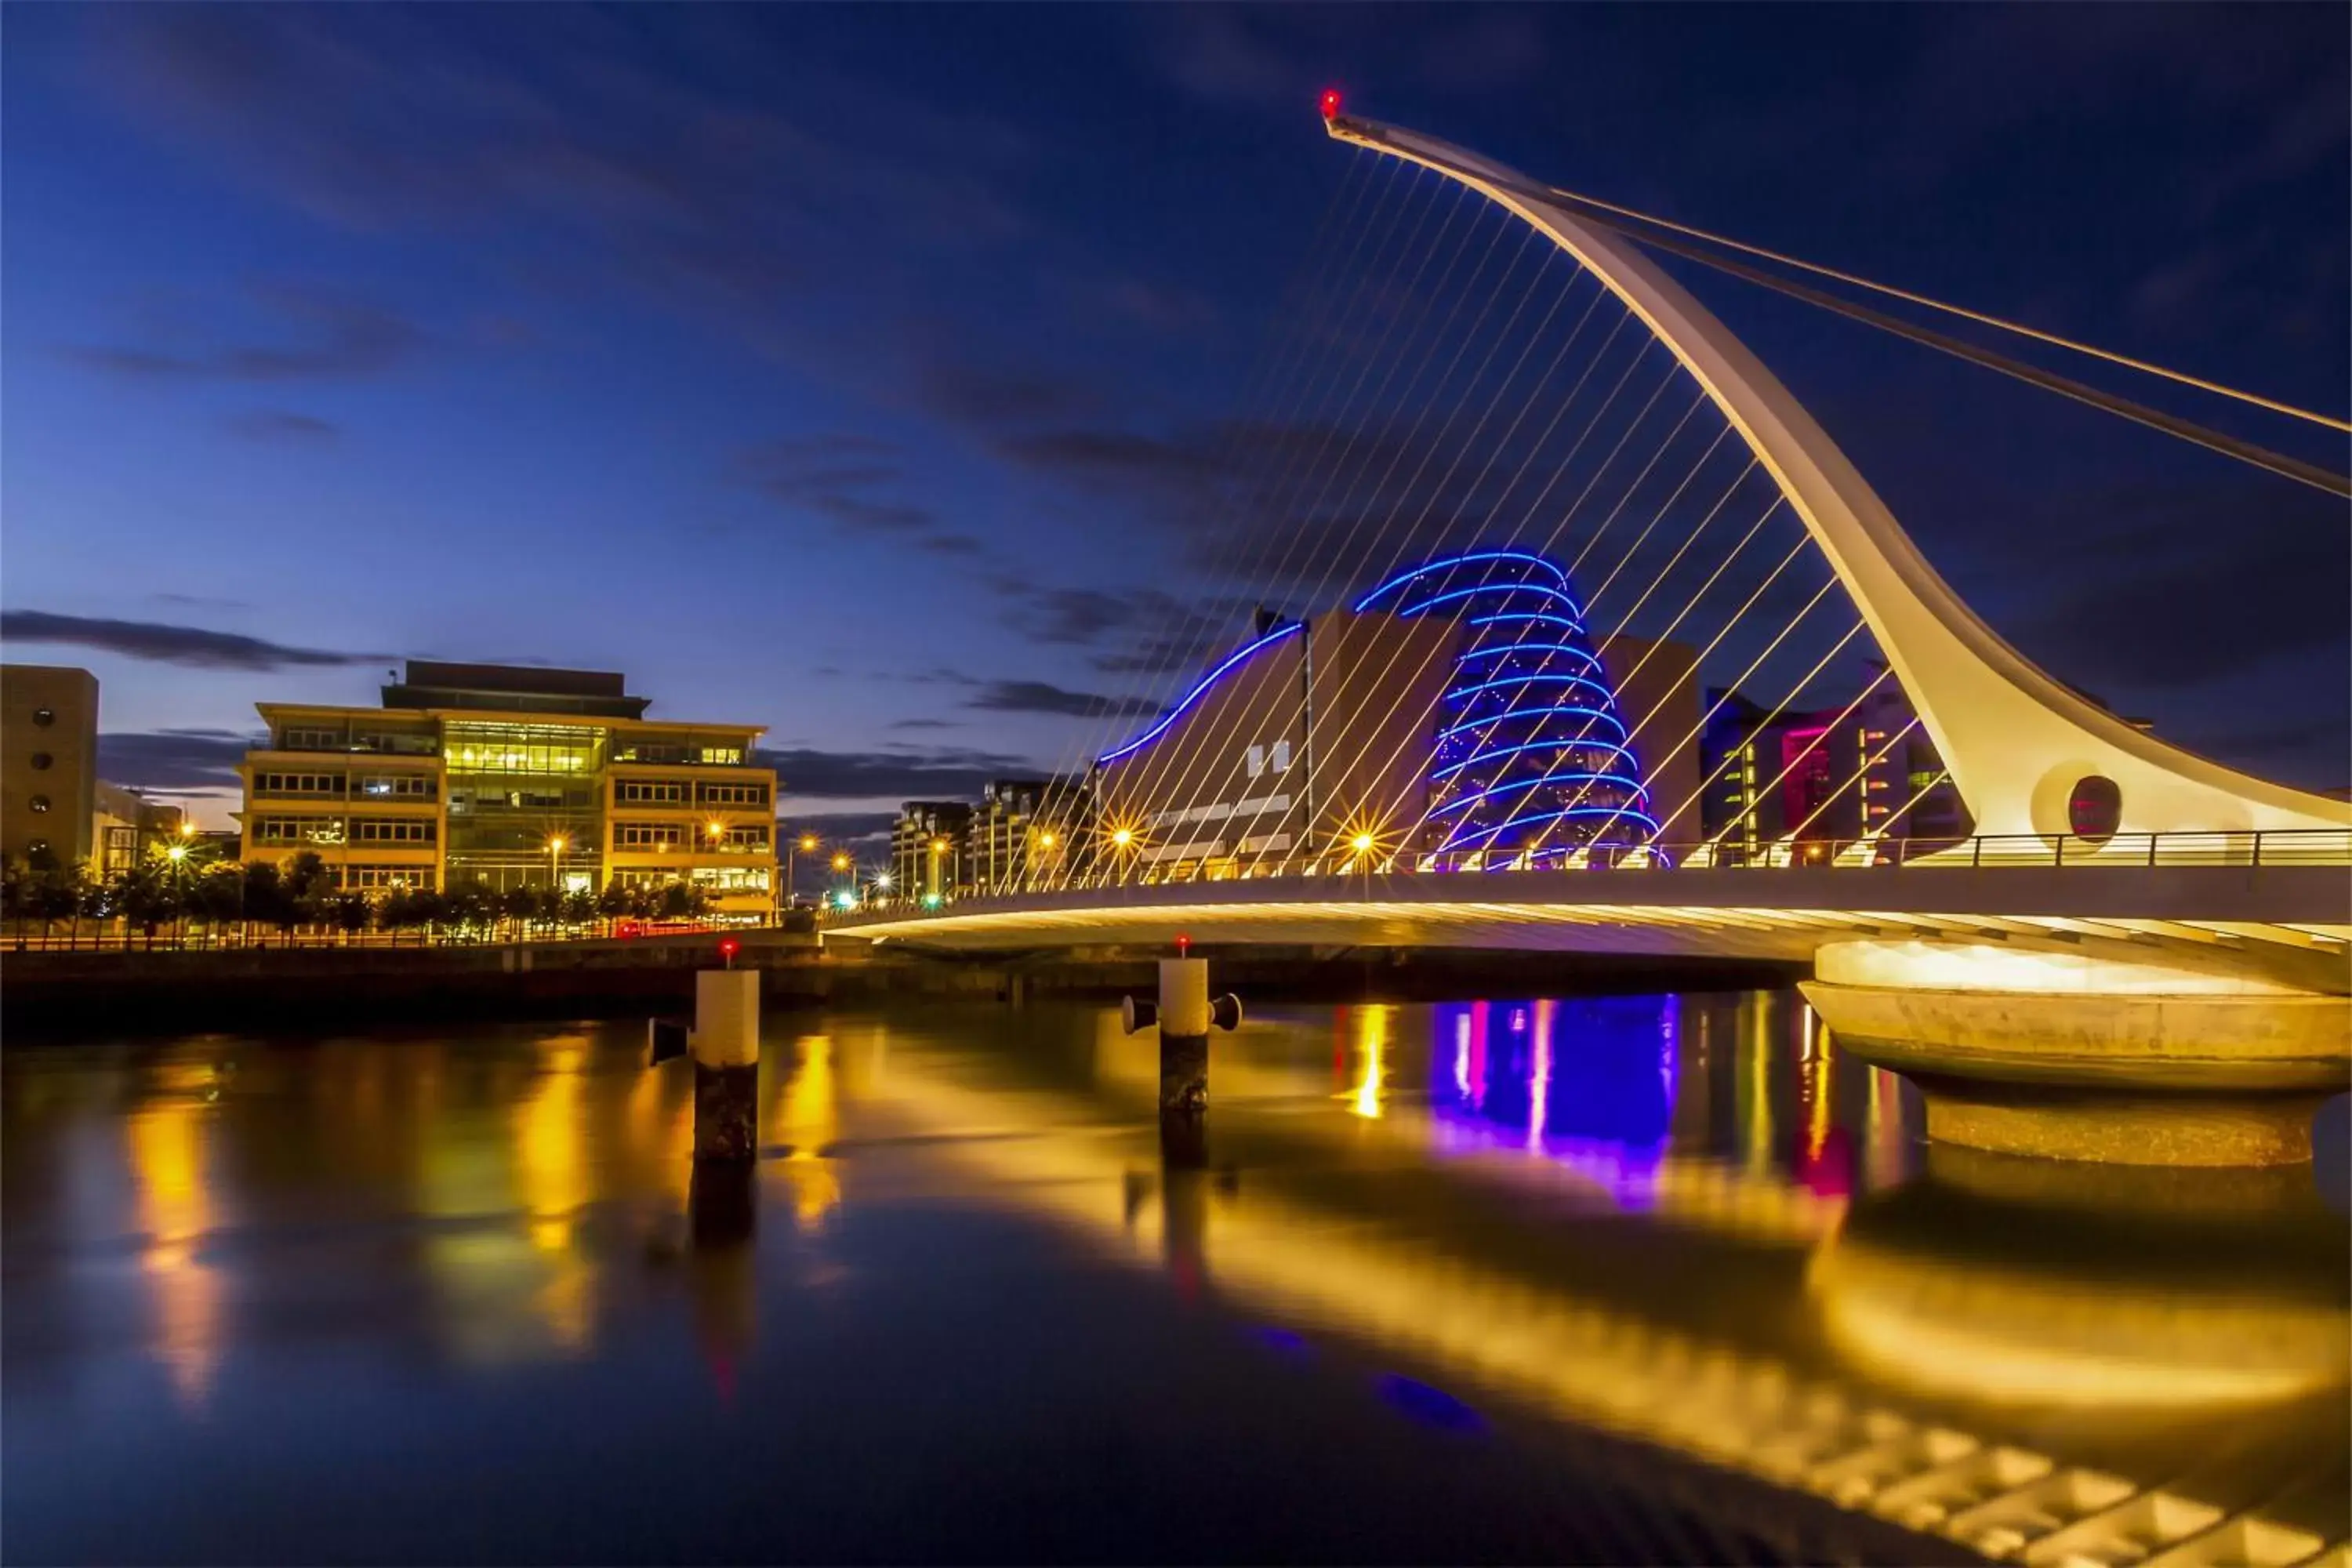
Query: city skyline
{"points": [[854, 372]]}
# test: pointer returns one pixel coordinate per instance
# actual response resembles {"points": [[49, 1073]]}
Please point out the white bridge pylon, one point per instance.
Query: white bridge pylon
{"points": [[2016, 741]]}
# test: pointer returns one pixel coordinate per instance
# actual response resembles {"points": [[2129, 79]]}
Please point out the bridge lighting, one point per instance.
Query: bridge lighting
{"points": [[1361, 843], [808, 843], [1329, 104], [841, 862], [844, 900], [930, 900], [1045, 841], [1122, 836], [882, 880]]}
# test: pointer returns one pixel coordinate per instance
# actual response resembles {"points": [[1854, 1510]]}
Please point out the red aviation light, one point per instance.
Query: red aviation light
{"points": [[1329, 102]]}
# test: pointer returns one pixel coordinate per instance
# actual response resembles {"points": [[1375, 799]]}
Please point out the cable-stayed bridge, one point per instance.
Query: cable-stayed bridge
{"points": [[1550, 576]]}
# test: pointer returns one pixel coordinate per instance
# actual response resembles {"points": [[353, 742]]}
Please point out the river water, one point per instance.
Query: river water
{"points": [[1624, 1280]]}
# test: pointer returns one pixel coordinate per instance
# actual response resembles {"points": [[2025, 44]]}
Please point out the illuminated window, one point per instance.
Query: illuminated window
{"points": [[371, 830], [652, 791], [732, 795], [645, 836], [419, 785]]}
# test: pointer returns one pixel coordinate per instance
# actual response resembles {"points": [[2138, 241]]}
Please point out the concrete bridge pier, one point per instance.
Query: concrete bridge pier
{"points": [[726, 1046], [1183, 1035], [2093, 1053]]}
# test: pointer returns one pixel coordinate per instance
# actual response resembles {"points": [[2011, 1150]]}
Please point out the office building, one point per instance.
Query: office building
{"points": [[48, 762], [513, 777], [1029, 833], [931, 849], [127, 829]]}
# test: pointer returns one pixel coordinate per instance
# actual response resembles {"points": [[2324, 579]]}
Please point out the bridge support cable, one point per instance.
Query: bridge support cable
{"points": [[1306, 315], [2037, 334], [1292, 441], [1205, 762], [1410, 542], [1791, 766], [2171, 425], [1298, 314], [1564, 467], [1692, 803], [1870, 760], [1387, 561], [1732, 623], [2008, 732], [1339, 425], [1175, 794], [1402, 520]]}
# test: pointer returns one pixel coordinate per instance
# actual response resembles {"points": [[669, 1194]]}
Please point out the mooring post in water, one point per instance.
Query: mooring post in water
{"points": [[726, 1044], [1183, 1013]]}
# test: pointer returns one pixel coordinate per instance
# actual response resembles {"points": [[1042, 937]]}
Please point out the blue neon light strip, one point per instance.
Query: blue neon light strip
{"points": [[1194, 695], [1574, 609], [1536, 713], [1476, 555], [1474, 760], [1639, 793], [1489, 834], [1590, 662], [1551, 620], [1584, 680]]}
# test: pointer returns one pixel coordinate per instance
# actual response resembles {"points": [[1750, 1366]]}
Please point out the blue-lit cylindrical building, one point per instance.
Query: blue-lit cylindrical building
{"points": [[1530, 760]]}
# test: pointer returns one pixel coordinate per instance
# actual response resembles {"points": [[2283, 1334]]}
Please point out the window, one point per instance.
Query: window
{"points": [[39, 803], [652, 791], [1282, 757], [45, 717], [418, 877], [309, 740], [382, 785], [376, 830], [645, 836], [749, 838], [298, 830], [300, 783], [722, 756], [41, 760], [734, 795], [1921, 778], [1255, 761]]}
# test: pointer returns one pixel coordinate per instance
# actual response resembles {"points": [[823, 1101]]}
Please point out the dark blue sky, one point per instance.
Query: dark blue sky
{"points": [[826, 367]]}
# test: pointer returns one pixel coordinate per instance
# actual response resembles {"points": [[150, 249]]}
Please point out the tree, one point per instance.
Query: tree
{"points": [[580, 907], [266, 898], [308, 886], [145, 896], [350, 912], [57, 892], [218, 895], [684, 900]]}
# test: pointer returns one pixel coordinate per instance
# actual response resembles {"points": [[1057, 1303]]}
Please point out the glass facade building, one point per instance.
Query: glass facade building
{"points": [[513, 777]]}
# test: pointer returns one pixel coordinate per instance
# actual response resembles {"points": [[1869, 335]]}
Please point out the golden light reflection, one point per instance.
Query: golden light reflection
{"points": [[810, 1121], [166, 1152], [1372, 1025], [1813, 1084], [551, 1166]]}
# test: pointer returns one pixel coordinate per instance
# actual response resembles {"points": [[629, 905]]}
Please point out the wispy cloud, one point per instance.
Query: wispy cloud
{"points": [[163, 644]]}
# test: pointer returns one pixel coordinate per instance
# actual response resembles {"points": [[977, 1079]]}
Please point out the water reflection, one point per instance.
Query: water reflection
{"points": [[167, 1152], [1687, 1219]]}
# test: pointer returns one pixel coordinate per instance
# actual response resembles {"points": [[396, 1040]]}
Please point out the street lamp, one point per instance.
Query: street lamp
{"points": [[804, 845], [556, 845], [842, 864]]}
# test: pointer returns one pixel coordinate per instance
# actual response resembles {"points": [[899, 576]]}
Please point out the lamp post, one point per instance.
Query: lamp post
{"points": [[556, 845], [804, 845], [842, 863], [939, 847]]}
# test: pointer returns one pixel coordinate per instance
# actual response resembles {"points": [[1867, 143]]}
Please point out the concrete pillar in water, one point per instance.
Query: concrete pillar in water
{"points": [[1184, 1035], [726, 1044]]}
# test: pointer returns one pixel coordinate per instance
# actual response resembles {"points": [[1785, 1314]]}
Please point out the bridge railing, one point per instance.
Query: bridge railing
{"points": [[2249, 849]]}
